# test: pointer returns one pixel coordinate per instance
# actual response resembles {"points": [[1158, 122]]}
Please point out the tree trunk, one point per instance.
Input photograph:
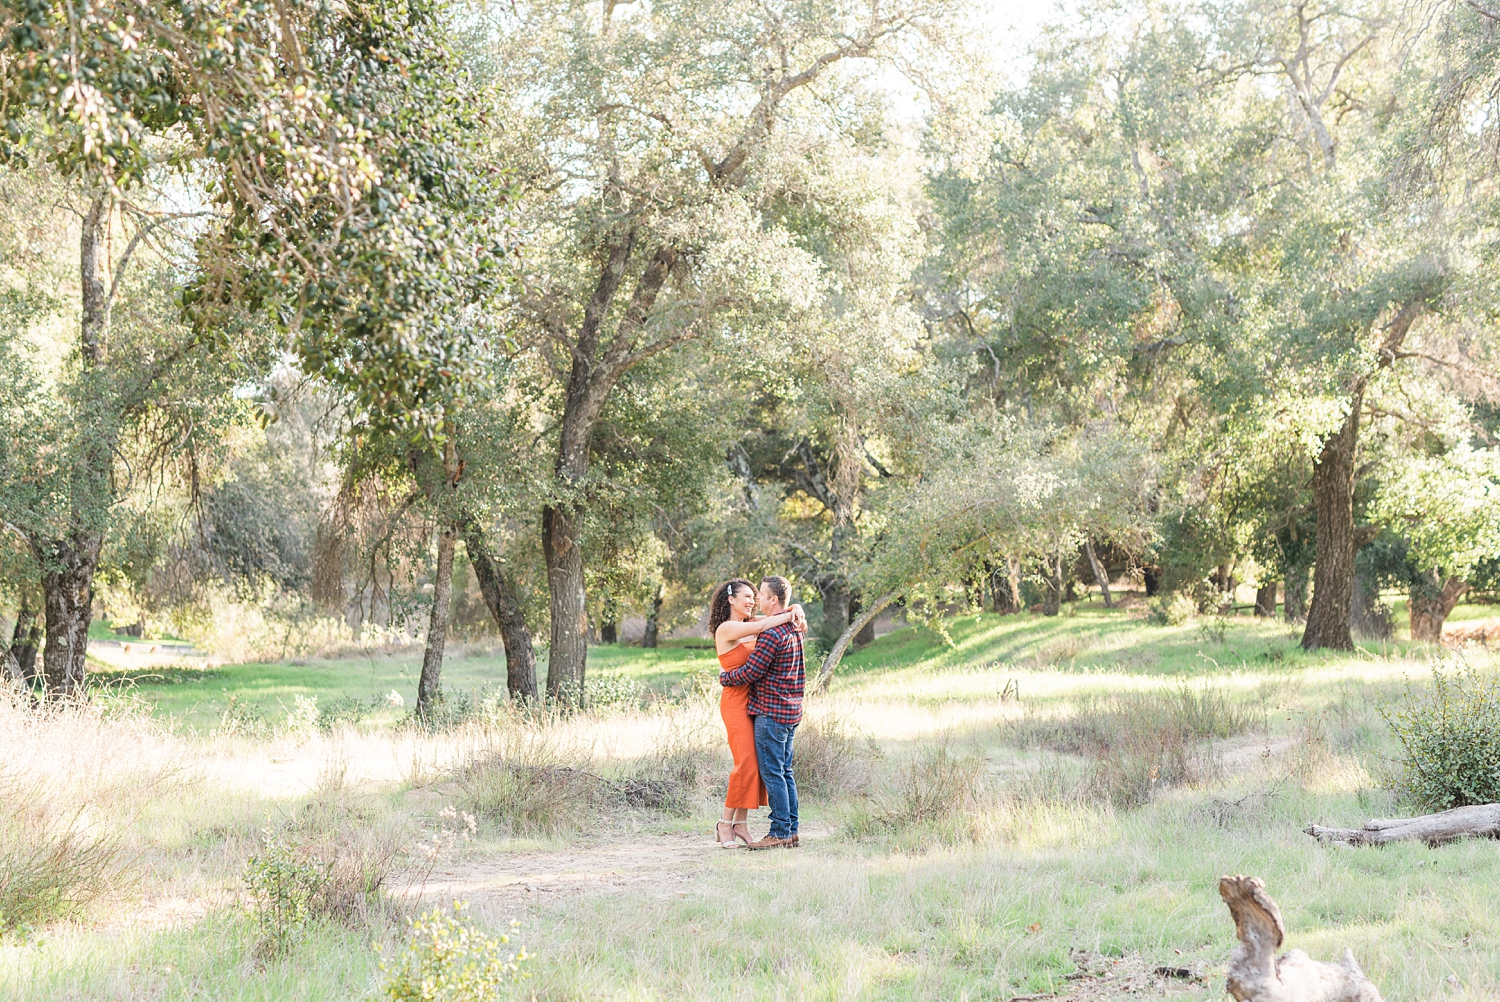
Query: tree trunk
{"points": [[1151, 578], [653, 621], [1475, 821], [1431, 601], [24, 641], [1256, 974], [836, 606], [1333, 502], [1100, 575], [1333, 564], [866, 634], [93, 269], [841, 645], [1265, 600], [1005, 587], [429, 686], [567, 656], [609, 632], [520, 655], [68, 564], [68, 597], [1052, 602], [10, 671]]}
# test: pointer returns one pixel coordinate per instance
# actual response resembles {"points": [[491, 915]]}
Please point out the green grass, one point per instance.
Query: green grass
{"points": [[1092, 638], [1087, 637], [195, 697]]}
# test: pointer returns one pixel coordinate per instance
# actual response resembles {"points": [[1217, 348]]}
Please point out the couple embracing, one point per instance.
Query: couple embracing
{"points": [[762, 675]]}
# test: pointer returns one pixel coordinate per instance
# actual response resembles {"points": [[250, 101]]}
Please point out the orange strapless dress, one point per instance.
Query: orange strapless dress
{"points": [[745, 788]]}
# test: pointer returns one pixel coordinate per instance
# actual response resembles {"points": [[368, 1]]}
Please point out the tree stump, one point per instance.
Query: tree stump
{"points": [[1256, 974], [1477, 821]]}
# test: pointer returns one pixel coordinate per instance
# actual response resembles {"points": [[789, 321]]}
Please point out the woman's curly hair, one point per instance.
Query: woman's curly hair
{"points": [[718, 606]]}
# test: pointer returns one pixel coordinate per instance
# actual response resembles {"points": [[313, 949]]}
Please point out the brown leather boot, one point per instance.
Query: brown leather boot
{"points": [[772, 842], [795, 841]]}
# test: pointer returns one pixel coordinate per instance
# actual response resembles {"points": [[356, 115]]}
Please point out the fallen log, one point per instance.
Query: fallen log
{"points": [[1256, 974], [1478, 821]]}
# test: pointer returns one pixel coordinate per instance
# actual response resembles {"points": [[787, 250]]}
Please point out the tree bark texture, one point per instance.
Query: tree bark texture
{"points": [[1265, 600], [841, 645], [1052, 601], [1333, 501], [68, 596], [24, 641], [567, 656], [1431, 600], [1101, 576], [520, 654], [429, 685], [1256, 974], [866, 634], [93, 276], [837, 602], [1333, 566], [653, 621], [10, 671], [1476, 821]]}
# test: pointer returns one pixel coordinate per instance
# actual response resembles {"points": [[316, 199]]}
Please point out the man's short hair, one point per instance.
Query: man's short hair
{"points": [[778, 586]]}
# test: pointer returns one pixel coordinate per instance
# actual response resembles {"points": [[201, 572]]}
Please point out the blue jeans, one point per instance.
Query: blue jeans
{"points": [[773, 750]]}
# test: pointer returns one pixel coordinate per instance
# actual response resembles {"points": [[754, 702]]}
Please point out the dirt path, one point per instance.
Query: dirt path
{"points": [[660, 866]]}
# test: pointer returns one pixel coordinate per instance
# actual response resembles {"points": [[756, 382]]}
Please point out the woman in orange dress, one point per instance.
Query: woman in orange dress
{"points": [[734, 626]]}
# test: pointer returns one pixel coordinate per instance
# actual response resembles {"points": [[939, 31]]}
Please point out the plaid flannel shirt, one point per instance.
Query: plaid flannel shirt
{"points": [[775, 675]]}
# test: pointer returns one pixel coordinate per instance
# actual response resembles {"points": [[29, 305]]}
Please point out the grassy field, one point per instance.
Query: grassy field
{"points": [[1040, 798]]}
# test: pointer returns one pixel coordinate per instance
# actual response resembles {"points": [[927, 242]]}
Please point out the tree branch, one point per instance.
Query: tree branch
{"points": [[1483, 11]]}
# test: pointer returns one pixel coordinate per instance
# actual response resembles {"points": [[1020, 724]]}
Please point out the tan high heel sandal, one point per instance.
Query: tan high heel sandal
{"points": [[745, 838], [731, 844]]}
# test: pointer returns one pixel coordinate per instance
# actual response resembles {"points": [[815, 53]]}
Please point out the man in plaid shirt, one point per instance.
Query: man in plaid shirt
{"points": [[776, 678]]}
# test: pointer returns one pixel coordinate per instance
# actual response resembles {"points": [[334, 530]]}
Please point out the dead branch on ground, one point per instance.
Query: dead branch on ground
{"points": [[1256, 974], [1478, 821]]}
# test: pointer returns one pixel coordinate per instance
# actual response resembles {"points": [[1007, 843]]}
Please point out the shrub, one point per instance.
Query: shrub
{"points": [[284, 885], [50, 866], [530, 793], [1450, 740], [241, 719], [447, 960], [329, 861], [613, 691], [303, 717], [937, 795], [830, 761], [347, 711], [1173, 610]]}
